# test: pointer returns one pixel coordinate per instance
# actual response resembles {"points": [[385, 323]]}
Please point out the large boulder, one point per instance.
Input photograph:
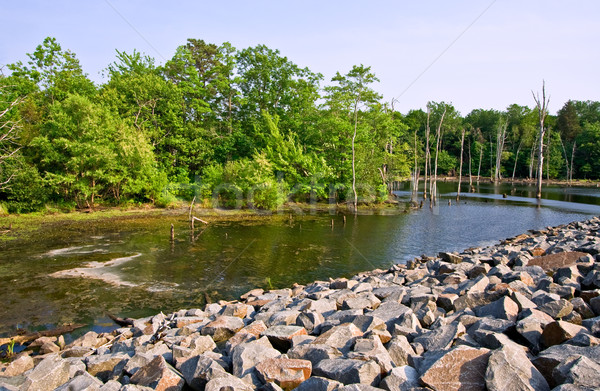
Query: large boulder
{"points": [[349, 371], [461, 368], [158, 375], [247, 355], [286, 373], [509, 369], [50, 373]]}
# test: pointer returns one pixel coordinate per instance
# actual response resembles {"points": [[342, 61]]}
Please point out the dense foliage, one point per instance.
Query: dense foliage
{"points": [[246, 128]]}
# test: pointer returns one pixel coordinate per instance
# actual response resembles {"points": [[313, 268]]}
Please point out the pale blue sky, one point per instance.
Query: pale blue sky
{"points": [[498, 60]]}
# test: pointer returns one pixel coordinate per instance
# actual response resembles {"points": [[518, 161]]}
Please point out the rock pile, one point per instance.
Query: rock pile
{"points": [[520, 315]]}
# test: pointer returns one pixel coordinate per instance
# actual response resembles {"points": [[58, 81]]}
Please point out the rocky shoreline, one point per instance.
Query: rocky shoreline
{"points": [[520, 315]]}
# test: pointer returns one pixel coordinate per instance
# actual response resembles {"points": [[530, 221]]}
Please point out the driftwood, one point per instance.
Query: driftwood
{"points": [[23, 339], [121, 321]]}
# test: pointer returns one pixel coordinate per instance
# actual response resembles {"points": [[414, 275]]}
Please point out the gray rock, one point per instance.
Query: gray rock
{"points": [[314, 352], [440, 338], [247, 355], [402, 378], [18, 366], [341, 337], [348, 371], [359, 387], [284, 372], [522, 301], [390, 312], [400, 350], [457, 369], [317, 383], [228, 383], [509, 369], [82, 382], [223, 328], [557, 309], [578, 370], [310, 320], [548, 359], [582, 308], [371, 348], [281, 336], [159, 375], [559, 331], [106, 366], [111, 385], [503, 308], [199, 370], [50, 373]]}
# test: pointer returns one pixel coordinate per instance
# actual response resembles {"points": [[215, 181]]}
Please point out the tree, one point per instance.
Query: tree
{"points": [[9, 127], [568, 126], [351, 93], [542, 109]]}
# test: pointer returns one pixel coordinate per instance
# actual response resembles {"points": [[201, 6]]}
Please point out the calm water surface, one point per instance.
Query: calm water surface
{"points": [[228, 258]]}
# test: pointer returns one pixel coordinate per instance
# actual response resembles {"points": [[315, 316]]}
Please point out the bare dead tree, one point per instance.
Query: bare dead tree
{"points": [[427, 153], [542, 108], [516, 159], [500, 139], [462, 143], [9, 144], [438, 140]]}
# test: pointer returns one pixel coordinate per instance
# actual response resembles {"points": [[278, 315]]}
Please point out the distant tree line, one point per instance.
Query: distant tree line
{"points": [[249, 128]]}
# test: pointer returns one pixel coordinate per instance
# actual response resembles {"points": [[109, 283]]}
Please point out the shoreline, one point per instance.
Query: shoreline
{"points": [[535, 297]]}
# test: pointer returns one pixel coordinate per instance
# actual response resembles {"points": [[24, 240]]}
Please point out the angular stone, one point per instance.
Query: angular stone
{"points": [[281, 336], [400, 350], [582, 308], [403, 378], [557, 309], [317, 383], [362, 301], [449, 257], [19, 365], [509, 369], [578, 370], [228, 383], [503, 308], [137, 361], [286, 373], [390, 312], [548, 359], [341, 337], [247, 334], [477, 299], [462, 368], [49, 374], [199, 370], [558, 260], [106, 366], [309, 320], [349, 371], [440, 338], [283, 318], [247, 355], [559, 331], [367, 323], [522, 301], [223, 328], [314, 352], [371, 348], [158, 375], [82, 382]]}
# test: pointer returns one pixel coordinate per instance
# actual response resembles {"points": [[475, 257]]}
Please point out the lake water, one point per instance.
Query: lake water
{"points": [[150, 274]]}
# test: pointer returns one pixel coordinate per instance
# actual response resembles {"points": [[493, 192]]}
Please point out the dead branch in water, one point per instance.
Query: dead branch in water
{"points": [[23, 339]]}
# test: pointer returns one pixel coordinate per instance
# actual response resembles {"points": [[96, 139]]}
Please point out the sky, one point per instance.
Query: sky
{"points": [[474, 54]]}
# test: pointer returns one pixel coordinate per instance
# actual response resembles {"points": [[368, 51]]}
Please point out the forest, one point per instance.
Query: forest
{"points": [[250, 128]]}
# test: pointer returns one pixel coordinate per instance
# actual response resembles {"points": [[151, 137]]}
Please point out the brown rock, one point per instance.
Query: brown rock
{"points": [[556, 261], [538, 251], [158, 375], [509, 369], [286, 373], [462, 368]]}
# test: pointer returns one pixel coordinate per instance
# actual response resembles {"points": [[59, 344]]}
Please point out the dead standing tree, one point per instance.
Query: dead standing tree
{"points": [[542, 108], [462, 144], [500, 139], [438, 140], [9, 145], [427, 153]]}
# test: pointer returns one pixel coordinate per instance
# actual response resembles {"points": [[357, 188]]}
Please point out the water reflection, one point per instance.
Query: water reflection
{"points": [[229, 258]]}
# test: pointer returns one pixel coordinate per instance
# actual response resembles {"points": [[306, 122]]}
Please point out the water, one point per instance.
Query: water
{"points": [[43, 286]]}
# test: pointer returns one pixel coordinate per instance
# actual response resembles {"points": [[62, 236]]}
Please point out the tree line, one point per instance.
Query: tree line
{"points": [[250, 128]]}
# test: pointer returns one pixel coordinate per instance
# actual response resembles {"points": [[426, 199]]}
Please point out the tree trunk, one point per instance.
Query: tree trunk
{"points": [[516, 159], [427, 154], [572, 166], [354, 155], [500, 138], [542, 107], [480, 159], [462, 143], [470, 174], [438, 140]]}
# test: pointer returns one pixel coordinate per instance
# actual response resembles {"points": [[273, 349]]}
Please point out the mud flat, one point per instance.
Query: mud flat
{"points": [[520, 315]]}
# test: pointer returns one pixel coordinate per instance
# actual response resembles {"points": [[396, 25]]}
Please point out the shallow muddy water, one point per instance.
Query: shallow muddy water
{"points": [[78, 272]]}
